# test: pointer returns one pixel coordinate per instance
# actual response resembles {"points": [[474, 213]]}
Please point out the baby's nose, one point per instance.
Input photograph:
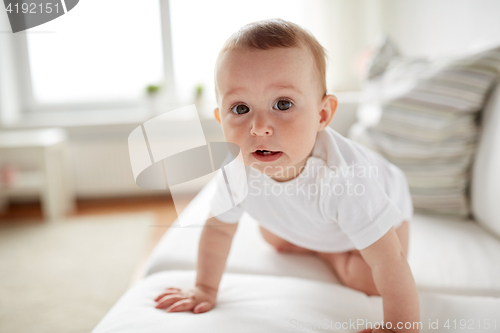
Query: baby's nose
{"points": [[261, 127]]}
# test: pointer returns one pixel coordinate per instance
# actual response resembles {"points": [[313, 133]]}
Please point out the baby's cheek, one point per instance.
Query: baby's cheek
{"points": [[303, 143], [234, 134]]}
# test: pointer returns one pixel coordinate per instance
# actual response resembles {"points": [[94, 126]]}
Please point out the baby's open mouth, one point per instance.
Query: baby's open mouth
{"points": [[267, 155], [267, 152]]}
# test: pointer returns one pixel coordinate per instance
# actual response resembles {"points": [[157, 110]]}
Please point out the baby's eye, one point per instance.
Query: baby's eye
{"points": [[282, 105], [240, 109]]}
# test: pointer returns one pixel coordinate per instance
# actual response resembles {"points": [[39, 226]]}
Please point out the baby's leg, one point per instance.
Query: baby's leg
{"points": [[352, 269], [282, 245]]}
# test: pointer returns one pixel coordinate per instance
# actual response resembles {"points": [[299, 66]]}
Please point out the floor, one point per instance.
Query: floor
{"points": [[161, 205]]}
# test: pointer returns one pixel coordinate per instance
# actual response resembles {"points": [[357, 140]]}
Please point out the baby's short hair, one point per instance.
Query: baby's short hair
{"points": [[274, 33]]}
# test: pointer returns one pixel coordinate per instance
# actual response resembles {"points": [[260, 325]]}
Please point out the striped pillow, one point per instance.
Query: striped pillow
{"points": [[431, 131]]}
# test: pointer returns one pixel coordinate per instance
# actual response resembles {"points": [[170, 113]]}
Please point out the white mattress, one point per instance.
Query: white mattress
{"points": [[256, 303], [446, 255]]}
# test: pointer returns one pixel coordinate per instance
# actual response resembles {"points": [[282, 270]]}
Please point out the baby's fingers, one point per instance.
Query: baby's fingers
{"points": [[167, 291], [184, 305], [169, 300], [203, 307]]}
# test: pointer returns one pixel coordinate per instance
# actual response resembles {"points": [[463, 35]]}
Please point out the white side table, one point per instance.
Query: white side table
{"points": [[47, 149]]}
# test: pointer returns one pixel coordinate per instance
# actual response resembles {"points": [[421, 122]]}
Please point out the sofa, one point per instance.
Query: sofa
{"points": [[455, 262]]}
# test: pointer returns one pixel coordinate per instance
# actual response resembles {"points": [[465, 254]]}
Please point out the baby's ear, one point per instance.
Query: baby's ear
{"points": [[328, 107], [216, 114]]}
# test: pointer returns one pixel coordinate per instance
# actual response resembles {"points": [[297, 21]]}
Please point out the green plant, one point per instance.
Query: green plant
{"points": [[199, 90], [153, 89]]}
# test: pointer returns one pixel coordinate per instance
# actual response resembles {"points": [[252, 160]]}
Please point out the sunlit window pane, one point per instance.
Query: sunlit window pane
{"points": [[101, 51], [200, 27]]}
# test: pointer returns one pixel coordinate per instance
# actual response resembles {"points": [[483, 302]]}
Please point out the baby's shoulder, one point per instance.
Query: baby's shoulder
{"points": [[340, 152]]}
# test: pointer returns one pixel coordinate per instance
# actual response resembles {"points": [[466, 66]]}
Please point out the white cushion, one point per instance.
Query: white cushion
{"points": [[454, 256], [255, 303], [485, 187], [250, 254]]}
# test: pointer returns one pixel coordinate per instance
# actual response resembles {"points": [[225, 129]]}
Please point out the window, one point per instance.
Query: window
{"points": [[101, 53]]}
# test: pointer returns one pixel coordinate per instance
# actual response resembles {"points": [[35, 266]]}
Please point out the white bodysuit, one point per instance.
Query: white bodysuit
{"points": [[346, 197]]}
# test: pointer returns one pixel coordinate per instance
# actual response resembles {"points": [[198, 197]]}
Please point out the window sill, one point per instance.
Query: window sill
{"points": [[108, 124], [81, 118]]}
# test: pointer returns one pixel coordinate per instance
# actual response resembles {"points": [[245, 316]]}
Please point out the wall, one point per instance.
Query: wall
{"points": [[420, 27], [441, 27], [9, 98], [344, 28], [101, 161]]}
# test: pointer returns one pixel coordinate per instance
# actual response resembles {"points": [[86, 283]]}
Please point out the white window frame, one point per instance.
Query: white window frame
{"points": [[29, 106]]}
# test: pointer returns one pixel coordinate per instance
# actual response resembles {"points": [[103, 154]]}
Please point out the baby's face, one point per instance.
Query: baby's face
{"points": [[271, 106]]}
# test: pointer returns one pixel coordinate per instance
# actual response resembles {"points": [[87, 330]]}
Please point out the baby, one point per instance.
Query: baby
{"points": [[311, 190]]}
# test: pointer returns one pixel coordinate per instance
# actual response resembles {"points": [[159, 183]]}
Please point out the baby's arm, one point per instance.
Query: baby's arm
{"points": [[215, 243], [394, 281]]}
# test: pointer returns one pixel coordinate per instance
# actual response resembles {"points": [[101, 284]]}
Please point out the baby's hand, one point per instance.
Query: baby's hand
{"points": [[197, 299]]}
